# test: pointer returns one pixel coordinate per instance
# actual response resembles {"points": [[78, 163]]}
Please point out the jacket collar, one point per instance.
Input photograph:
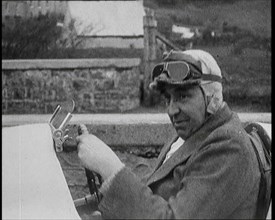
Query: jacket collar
{"points": [[191, 145]]}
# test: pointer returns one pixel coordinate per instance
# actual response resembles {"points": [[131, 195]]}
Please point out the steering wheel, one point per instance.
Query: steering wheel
{"points": [[94, 180]]}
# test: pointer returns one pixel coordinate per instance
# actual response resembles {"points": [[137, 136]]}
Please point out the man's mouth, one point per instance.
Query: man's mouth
{"points": [[179, 123]]}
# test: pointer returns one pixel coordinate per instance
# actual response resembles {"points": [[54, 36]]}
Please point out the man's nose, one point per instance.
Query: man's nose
{"points": [[173, 108]]}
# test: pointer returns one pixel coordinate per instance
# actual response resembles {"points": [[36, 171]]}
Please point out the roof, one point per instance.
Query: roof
{"points": [[185, 32], [107, 18]]}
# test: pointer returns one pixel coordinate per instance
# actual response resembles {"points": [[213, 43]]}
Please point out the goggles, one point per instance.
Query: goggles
{"points": [[178, 71]]}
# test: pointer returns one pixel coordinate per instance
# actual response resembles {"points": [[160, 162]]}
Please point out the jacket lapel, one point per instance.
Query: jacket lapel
{"points": [[191, 145], [181, 155], [163, 153], [161, 156]]}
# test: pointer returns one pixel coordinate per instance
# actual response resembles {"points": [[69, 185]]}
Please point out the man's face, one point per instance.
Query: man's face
{"points": [[186, 109]]}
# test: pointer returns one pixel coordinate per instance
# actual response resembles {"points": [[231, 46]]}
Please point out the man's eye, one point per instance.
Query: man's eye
{"points": [[181, 97], [167, 98]]}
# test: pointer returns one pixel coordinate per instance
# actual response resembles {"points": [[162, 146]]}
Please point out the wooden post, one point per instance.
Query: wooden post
{"points": [[150, 50]]}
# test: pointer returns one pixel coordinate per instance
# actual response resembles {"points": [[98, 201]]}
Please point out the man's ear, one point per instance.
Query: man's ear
{"points": [[213, 104]]}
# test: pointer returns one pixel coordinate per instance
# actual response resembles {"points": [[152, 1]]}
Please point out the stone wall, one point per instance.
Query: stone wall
{"points": [[96, 85]]}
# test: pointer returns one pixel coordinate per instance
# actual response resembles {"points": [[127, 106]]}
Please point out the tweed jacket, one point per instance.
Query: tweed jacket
{"points": [[213, 175]]}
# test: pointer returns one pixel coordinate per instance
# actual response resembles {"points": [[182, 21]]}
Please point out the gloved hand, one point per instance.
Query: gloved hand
{"points": [[96, 156]]}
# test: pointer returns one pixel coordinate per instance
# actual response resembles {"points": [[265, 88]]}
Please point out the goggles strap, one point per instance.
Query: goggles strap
{"points": [[211, 77]]}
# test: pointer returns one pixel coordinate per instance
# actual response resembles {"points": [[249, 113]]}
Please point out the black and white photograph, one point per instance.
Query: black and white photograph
{"points": [[136, 109]]}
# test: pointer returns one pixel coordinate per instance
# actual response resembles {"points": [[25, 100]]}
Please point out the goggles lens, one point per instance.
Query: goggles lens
{"points": [[176, 70]]}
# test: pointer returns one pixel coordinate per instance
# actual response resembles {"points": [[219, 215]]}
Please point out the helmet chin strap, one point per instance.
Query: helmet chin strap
{"points": [[206, 101], [212, 102]]}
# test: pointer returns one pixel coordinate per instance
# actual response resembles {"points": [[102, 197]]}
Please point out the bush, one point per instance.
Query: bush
{"points": [[31, 37]]}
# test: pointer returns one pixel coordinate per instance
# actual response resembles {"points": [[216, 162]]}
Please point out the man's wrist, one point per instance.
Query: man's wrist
{"points": [[111, 170], [108, 181]]}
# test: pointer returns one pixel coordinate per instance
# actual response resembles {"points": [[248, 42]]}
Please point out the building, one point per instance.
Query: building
{"points": [[115, 24]]}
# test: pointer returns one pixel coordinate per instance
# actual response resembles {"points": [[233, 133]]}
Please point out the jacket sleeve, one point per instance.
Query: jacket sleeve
{"points": [[216, 181]]}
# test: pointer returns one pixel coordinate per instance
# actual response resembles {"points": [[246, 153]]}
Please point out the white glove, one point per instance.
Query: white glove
{"points": [[97, 156]]}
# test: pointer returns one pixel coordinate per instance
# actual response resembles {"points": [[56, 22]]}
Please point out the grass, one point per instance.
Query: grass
{"points": [[247, 75], [247, 80], [252, 15]]}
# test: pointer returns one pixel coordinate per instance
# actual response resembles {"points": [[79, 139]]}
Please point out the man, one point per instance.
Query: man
{"points": [[209, 170]]}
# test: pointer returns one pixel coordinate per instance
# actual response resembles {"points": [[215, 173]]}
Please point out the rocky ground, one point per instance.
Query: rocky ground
{"points": [[75, 173], [76, 177]]}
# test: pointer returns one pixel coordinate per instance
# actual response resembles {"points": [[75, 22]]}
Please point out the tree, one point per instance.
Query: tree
{"points": [[31, 37], [44, 36]]}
